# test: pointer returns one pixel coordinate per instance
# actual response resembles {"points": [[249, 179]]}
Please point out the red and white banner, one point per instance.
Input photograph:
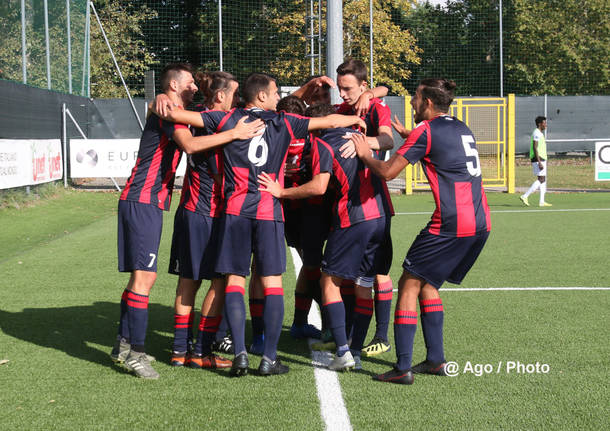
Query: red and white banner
{"points": [[25, 162]]}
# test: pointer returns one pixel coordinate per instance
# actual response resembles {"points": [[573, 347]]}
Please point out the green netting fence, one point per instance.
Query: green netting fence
{"points": [[545, 47]]}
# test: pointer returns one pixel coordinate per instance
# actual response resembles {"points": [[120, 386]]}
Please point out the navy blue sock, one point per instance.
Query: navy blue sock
{"points": [[236, 315], [349, 301], [223, 327], [273, 318], [208, 325], [405, 324], [432, 316], [124, 320], [257, 306], [335, 316], [181, 327], [383, 309], [362, 319], [302, 304], [137, 310]]}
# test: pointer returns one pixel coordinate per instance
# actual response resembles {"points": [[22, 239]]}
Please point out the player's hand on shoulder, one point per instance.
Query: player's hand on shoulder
{"points": [[362, 147], [361, 125], [348, 150], [400, 128], [268, 184], [249, 130], [162, 105]]}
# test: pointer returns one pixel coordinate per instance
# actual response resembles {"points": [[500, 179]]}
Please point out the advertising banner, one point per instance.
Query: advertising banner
{"points": [[25, 162], [106, 158]]}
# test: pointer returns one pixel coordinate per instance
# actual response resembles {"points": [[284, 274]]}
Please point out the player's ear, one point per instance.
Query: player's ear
{"points": [[262, 95]]}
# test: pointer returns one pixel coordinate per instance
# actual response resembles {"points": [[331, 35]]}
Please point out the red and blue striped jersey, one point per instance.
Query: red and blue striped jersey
{"points": [[361, 195], [379, 114], [201, 193], [244, 160], [447, 150], [152, 177]]}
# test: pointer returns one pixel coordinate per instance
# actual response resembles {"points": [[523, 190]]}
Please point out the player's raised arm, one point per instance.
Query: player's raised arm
{"points": [[307, 91], [334, 121], [315, 187], [400, 128], [386, 170], [194, 144], [364, 101], [178, 115]]}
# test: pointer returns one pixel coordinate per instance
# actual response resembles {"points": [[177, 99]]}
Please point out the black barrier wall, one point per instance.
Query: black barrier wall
{"points": [[574, 122]]}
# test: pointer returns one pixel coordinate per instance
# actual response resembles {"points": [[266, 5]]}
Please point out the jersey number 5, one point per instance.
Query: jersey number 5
{"points": [[258, 145], [474, 168]]}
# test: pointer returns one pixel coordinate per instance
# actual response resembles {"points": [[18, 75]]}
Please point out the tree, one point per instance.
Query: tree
{"points": [[123, 22], [459, 41], [558, 47]]}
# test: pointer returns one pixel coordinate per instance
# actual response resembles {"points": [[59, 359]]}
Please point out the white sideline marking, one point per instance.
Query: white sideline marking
{"points": [[332, 407], [565, 210], [475, 289]]}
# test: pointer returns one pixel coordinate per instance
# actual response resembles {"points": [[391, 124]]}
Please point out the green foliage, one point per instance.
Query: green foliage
{"points": [[36, 53], [558, 48], [123, 23], [549, 47]]}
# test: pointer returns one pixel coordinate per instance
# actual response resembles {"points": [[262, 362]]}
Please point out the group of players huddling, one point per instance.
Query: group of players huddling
{"points": [[278, 171]]}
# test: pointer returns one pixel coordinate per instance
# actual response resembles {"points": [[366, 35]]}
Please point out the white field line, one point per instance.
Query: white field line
{"points": [[565, 210], [491, 289], [332, 407]]}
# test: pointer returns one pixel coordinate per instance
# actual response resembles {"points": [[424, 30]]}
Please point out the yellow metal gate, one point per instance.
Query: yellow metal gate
{"points": [[492, 120]]}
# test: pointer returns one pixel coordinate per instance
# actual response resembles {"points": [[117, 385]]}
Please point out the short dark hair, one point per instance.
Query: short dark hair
{"points": [[292, 105], [210, 83], [172, 71], [353, 67], [539, 120], [254, 83], [439, 90], [320, 110]]}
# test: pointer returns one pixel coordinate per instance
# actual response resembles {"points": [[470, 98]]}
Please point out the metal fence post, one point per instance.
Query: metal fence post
{"points": [[46, 40], [64, 139], [69, 46], [24, 57], [334, 41]]}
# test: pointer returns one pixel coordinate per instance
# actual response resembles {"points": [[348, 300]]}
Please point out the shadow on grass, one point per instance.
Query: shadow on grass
{"points": [[72, 330]]}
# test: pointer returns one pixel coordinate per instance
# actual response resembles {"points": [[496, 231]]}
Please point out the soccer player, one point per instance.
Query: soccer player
{"points": [[195, 239], [253, 221], [360, 229], [351, 81], [449, 245], [538, 159], [146, 195]]}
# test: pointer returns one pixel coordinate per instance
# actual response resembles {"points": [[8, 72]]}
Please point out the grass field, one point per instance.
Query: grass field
{"points": [[59, 312]]}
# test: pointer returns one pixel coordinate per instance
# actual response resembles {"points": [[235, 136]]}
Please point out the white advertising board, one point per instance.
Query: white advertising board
{"points": [[602, 161], [26, 162], [106, 158]]}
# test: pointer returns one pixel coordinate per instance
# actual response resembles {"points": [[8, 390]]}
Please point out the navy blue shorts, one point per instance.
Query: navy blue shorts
{"points": [[358, 252], [314, 230], [194, 245], [139, 235], [242, 236], [437, 259]]}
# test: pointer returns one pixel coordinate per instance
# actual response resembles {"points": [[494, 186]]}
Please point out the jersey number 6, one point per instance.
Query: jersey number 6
{"points": [[474, 168], [253, 151]]}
